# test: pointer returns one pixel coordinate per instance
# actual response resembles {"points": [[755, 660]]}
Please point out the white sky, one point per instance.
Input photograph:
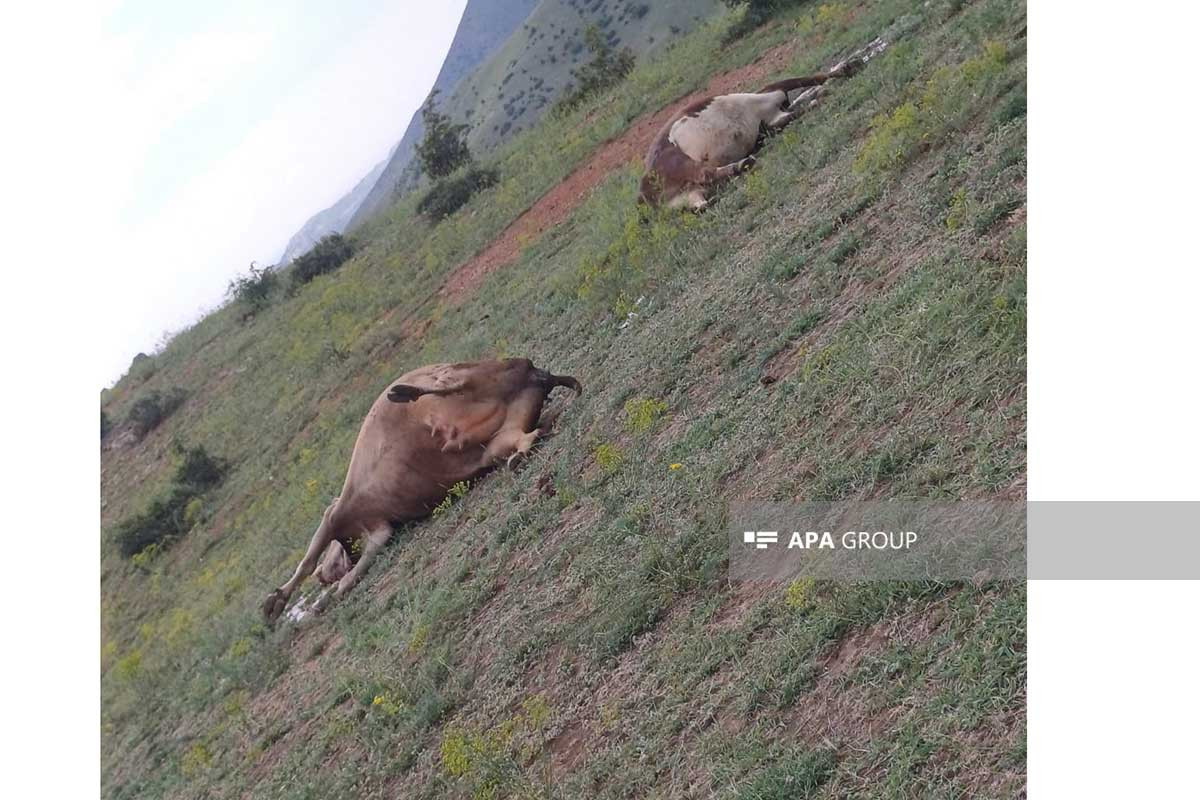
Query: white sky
{"points": [[208, 133]]}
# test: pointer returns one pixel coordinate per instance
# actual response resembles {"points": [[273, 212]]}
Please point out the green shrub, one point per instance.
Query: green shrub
{"points": [[105, 425], [326, 256], [757, 13], [609, 457], [642, 413], [142, 367], [448, 196], [162, 519], [197, 470], [254, 289], [150, 410], [173, 513]]}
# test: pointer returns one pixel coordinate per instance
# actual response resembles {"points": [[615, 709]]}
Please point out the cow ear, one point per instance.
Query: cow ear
{"points": [[403, 393]]}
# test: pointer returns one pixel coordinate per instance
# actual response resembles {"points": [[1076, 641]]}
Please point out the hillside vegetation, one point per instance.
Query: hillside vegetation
{"points": [[847, 321]]}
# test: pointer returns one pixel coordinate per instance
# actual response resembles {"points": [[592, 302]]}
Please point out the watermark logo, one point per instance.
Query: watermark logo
{"points": [[760, 539], [869, 540], [850, 540]]}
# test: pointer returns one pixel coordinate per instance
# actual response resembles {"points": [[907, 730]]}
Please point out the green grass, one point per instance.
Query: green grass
{"points": [[897, 344]]}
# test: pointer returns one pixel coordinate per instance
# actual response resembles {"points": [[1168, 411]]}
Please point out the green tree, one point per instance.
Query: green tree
{"points": [[254, 289], [444, 147]]}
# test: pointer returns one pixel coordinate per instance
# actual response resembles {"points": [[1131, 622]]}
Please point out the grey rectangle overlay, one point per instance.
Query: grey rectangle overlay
{"points": [[1116, 540], [963, 540]]}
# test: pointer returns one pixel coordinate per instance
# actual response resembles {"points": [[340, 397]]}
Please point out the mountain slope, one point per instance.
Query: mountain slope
{"points": [[334, 219], [846, 322], [519, 82]]}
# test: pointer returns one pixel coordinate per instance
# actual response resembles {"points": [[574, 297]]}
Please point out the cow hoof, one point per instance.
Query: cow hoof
{"points": [[273, 606], [323, 601], [747, 164]]}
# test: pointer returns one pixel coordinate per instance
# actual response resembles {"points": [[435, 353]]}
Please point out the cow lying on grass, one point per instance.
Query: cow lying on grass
{"points": [[436, 426], [714, 139]]}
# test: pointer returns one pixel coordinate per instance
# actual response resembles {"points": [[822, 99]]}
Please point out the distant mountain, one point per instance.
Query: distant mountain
{"points": [[334, 219]]}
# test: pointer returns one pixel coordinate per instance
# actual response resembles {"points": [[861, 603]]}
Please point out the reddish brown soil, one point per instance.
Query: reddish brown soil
{"points": [[557, 204]]}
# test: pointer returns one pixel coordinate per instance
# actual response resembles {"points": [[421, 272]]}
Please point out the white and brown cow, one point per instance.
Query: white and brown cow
{"points": [[713, 139], [434, 427]]}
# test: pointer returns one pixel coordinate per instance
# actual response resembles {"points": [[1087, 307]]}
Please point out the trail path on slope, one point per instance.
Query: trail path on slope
{"points": [[558, 203]]}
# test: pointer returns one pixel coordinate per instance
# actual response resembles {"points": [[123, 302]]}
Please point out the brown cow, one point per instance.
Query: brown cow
{"points": [[436, 426], [713, 139]]}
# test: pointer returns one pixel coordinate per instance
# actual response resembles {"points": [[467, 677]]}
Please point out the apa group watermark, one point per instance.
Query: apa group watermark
{"points": [[876, 540], [962, 539], [827, 540]]}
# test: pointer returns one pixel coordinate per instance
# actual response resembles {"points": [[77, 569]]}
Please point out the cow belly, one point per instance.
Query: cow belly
{"points": [[408, 484], [724, 132], [409, 455]]}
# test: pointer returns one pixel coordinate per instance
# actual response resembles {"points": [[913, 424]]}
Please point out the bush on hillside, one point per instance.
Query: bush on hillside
{"points": [[254, 289], [142, 367], [105, 425], [173, 513], [448, 196], [163, 518], [607, 68], [444, 146], [326, 256], [150, 410], [197, 470], [757, 13]]}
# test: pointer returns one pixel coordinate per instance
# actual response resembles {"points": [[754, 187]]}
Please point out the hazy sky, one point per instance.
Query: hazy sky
{"points": [[228, 125]]}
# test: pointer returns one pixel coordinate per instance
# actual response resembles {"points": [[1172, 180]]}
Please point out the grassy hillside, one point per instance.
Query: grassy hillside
{"points": [[847, 321]]}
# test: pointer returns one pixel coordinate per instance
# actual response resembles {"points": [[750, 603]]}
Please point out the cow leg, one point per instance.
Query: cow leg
{"points": [[510, 445], [524, 445], [814, 87], [697, 199], [277, 600], [803, 103], [781, 120], [373, 542], [732, 170], [843, 70]]}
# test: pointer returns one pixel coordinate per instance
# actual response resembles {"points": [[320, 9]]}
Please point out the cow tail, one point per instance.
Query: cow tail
{"points": [[550, 381], [792, 84]]}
